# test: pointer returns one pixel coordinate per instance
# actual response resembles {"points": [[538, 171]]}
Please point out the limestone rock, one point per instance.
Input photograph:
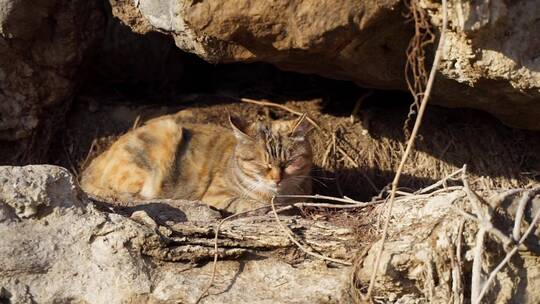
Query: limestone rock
{"points": [[428, 257], [27, 190], [56, 246], [42, 45], [332, 38], [67, 250], [490, 61]]}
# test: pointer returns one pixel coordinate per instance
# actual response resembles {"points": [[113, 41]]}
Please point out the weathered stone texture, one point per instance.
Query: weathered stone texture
{"points": [[56, 246], [490, 61], [42, 44]]}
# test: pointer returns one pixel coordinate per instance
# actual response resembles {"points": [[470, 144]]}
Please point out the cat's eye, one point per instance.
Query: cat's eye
{"points": [[247, 156], [294, 162]]}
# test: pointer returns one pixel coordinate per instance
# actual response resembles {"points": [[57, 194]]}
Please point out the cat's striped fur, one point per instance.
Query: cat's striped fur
{"points": [[233, 169]]}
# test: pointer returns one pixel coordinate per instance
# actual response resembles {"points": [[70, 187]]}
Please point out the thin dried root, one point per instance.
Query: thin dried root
{"points": [[479, 290], [410, 145], [300, 246], [279, 106], [214, 264]]}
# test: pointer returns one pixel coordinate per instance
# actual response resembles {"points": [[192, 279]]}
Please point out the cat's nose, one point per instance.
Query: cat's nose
{"points": [[276, 176]]}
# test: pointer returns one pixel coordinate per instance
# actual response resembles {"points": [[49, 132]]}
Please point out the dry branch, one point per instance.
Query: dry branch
{"points": [[216, 253], [478, 291], [289, 234], [279, 106], [410, 145], [253, 233], [262, 233]]}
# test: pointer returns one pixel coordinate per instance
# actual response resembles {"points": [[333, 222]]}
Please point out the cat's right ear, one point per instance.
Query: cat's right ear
{"points": [[240, 128]]}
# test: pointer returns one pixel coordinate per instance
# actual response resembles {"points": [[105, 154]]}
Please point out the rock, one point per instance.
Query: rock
{"points": [[334, 39], [490, 61], [429, 239], [69, 250], [25, 190], [42, 45]]}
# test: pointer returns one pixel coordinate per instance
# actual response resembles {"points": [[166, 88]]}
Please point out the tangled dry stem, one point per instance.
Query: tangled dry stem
{"points": [[485, 225], [289, 234], [214, 264], [279, 106], [506, 259], [415, 66], [482, 218], [344, 202], [348, 203], [410, 145]]}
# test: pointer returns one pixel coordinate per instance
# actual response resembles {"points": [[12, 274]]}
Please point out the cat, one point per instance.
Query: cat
{"points": [[235, 170]]}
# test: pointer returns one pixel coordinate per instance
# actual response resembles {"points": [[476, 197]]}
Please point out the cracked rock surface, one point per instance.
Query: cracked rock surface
{"points": [[42, 47], [56, 246], [491, 60]]}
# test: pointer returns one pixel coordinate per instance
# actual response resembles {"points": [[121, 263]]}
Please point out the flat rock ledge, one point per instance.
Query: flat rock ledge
{"points": [[58, 246]]}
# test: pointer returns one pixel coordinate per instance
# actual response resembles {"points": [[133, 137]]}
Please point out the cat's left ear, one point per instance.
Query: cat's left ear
{"points": [[240, 128], [300, 128]]}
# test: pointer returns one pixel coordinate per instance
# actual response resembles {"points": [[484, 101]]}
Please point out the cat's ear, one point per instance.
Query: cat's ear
{"points": [[240, 128], [300, 128]]}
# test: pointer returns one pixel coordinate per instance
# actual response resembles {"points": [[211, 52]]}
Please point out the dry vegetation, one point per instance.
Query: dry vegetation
{"points": [[356, 159]]}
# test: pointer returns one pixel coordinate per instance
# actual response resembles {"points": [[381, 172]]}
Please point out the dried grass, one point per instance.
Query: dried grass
{"points": [[350, 159]]}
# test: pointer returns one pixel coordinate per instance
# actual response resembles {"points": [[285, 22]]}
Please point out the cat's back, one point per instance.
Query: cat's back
{"points": [[140, 161]]}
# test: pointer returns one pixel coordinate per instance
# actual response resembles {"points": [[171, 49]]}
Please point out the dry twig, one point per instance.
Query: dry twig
{"points": [[458, 293], [336, 206], [214, 265], [476, 276], [345, 199], [441, 182], [90, 150], [508, 256], [483, 220], [279, 106], [527, 196], [136, 123], [304, 249], [410, 144]]}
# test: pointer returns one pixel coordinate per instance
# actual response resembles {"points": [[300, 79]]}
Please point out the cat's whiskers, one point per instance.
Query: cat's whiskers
{"points": [[246, 193], [253, 185]]}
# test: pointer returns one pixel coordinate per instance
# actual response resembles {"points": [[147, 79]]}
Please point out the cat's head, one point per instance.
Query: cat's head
{"points": [[272, 155]]}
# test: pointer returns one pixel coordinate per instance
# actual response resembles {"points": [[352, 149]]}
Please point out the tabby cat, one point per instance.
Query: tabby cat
{"points": [[235, 169]]}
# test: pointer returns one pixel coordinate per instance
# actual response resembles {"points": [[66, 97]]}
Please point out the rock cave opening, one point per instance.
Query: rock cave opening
{"points": [[134, 77]]}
